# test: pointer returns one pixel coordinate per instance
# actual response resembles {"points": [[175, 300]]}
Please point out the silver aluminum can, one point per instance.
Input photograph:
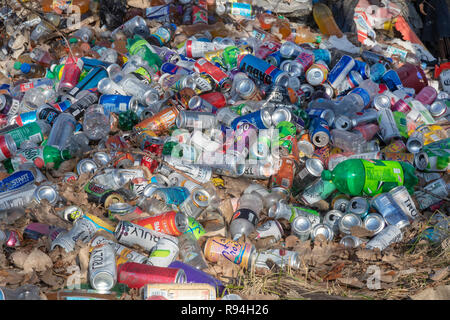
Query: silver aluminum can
{"points": [[343, 123], [328, 90], [402, 197], [190, 185], [359, 206], [348, 221], [196, 119], [197, 103], [350, 242], [204, 142], [86, 166], [390, 234], [131, 256], [341, 204], [332, 218], [196, 203], [119, 208], [305, 148], [101, 158], [390, 210], [199, 172], [374, 222], [301, 227], [438, 108], [281, 114], [102, 268], [259, 171], [388, 127], [421, 160], [17, 198], [131, 234], [415, 142], [308, 174], [381, 101], [324, 230], [46, 192], [163, 253], [282, 258], [83, 229], [226, 116], [71, 213], [176, 179], [160, 180], [270, 228]]}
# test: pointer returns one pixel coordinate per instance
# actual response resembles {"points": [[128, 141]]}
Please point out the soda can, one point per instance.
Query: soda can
{"points": [[113, 103], [46, 192], [362, 68], [171, 223], [195, 228], [239, 253], [402, 197], [390, 234], [332, 218], [131, 234], [301, 227], [7, 147], [247, 90], [418, 160], [270, 228], [340, 202], [305, 148], [275, 58], [322, 229], [195, 120], [390, 210], [261, 70], [176, 291], [319, 132], [220, 77], [137, 275], [266, 48], [374, 222], [262, 119], [197, 202], [392, 80], [438, 108], [163, 253], [415, 142], [86, 166], [340, 70], [381, 101], [388, 127], [281, 257], [308, 174], [316, 74], [359, 206], [196, 103], [348, 221], [350, 242], [102, 268]]}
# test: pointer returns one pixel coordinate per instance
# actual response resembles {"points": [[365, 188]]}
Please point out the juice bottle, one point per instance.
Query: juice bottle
{"points": [[325, 20]]}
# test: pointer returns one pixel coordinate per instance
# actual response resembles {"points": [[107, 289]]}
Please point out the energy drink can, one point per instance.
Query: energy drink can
{"points": [[163, 253], [220, 77], [261, 70], [171, 223], [137, 275]]}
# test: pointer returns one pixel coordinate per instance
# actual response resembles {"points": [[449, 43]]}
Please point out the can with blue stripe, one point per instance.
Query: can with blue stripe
{"points": [[392, 80], [363, 68], [25, 118], [62, 106], [319, 132], [275, 58], [340, 71], [90, 81], [172, 195], [377, 71], [363, 94], [326, 114], [261, 70], [115, 103], [262, 119], [322, 55], [171, 68]]}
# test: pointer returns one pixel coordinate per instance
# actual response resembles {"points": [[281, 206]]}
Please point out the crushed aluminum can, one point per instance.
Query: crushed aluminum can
{"points": [[270, 228], [46, 192], [86, 166], [390, 234]]}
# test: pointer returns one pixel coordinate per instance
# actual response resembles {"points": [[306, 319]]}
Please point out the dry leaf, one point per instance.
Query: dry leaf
{"points": [[226, 209], [440, 274], [18, 258], [51, 280], [321, 252], [366, 254], [291, 241], [351, 282], [261, 297], [335, 272], [229, 269], [390, 258], [83, 256], [361, 232], [438, 293], [10, 277], [38, 261]]}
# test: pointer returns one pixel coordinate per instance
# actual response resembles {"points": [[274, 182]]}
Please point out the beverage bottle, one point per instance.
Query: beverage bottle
{"points": [[162, 35], [79, 106], [143, 92], [190, 251], [96, 124], [59, 7], [138, 45], [348, 141], [25, 292], [351, 103], [35, 131], [25, 58], [62, 130], [42, 57], [9, 216], [39, 156], [84, 34], [45, 28], [358, 177], [325, 21], [303, 34], [281, 28], [266, 20], [370, 86], [243, 10], [31, 70], [427, 95], [246, 217]]}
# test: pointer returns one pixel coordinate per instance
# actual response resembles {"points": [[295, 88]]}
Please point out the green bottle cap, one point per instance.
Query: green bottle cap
{"points": [[73, 40], [17, 65], [65, 155]]}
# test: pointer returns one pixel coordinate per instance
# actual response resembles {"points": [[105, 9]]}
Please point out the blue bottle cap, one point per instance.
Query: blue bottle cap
{"points": [[25, 67]]}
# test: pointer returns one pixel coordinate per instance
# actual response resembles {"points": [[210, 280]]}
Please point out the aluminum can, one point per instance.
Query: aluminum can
{"points": [[262, 119], [220, 77], [326, 114], [374, 222], [405, 202], [359, 206], [340, 70], [290, 49], [117, 103], [332, 218], [390, 210], [10, 238], [340, 202], [324, 230], [308, 174], [390, 234], [319, 132], [123, 254], [318, 190], [270, 228], [86, 166], [301, 227], [163, 253], [260, 70], [197, 103], [102, 268], [392, 80], [418, 160], [282, 258], [239, 253], [196, 120], [172, 195], [197, 202], [317, 74], [350, 242], [46, 192], [247, 90], [381, 101], [275, 58], [388, 127], [170, 223], [7, 147], [137, 275], [415, 142], [130, 234], [175, 291], [438, 187], [363, 68], [438, 108], [348, 221]]}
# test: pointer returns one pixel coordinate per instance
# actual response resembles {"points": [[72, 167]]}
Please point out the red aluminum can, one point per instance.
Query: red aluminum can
{"points": [[150, 163], [267, 48], [71, 74], [200, 12], [284, 178], [137, 275], [171, 223], [217, 99], [122, 159], [218, 75]]}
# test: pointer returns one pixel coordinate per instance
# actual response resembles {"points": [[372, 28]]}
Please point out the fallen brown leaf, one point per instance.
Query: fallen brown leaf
{"points": [[335, 272], [438, 293], [53, 281], [440, 274], [351, 282], [360, 232], [366, 254]]}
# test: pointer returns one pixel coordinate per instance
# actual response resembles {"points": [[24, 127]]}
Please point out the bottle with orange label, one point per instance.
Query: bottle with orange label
{"points": [[60, 6]]}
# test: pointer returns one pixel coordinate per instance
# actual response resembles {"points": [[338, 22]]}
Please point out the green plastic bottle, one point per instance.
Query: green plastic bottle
{"points": [[357, 177], [141, 47], [39, 156]]}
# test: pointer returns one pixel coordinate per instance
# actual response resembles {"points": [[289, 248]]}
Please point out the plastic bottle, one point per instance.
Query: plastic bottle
{"points": [[325, 20], [96, 124], [247, 215], [266, 20], [303, 34], [42, 57], [281, 28], [45, 28], [25, 292], [358, 177], [62, 130], [31, 70], [190, 251]]}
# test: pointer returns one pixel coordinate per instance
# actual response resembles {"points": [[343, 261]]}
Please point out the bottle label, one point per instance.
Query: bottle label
{"points": [[31, 155], [246, 214], [241, 9], [2, 295], [381, 176]]}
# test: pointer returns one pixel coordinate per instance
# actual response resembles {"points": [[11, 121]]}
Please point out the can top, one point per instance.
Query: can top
{"points": [[86, 166], [349, 220], [314, 166], [358, 205], [374, 222], [333, 216], [46, 192], [324, 230], [381, 101], [421, 160], [343, 123], [301, 224], [281, 114], [437, 108], [245, 87]]}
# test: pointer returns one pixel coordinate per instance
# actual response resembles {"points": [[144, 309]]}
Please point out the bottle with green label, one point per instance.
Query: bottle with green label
{"points": [[34, 131], [141, 47], [358, 177], [39, 156]]}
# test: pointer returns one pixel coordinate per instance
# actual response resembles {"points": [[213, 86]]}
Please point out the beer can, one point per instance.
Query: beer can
{"points": [[261, 70], [374, 222], [131, 234], [102, 268], [137, 275], [390, 234], [86, 166], [381, 101], [350, 242], [71, 213], [282, 258], [340, 202], [324, 230], [196, 203], [332, 218], [340, 70], [220, 77], [388, 127], [348, 221], [301, 227], [237, 252], [319, 132], [163, 253], [317, 74], [170, 223], [390, 210], [176, 291], [402, 197], [270, 228], [311, 171], [359, 206], [415, 142]]}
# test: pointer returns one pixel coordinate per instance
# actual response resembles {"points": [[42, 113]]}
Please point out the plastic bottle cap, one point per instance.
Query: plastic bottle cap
{"points": [[17, 65], [268, 11], [73, 40], [174, 26], [25, 67], [39, 162], [326, 175]]}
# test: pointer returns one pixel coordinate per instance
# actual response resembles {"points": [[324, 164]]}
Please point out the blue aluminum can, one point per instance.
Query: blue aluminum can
{"points": [[377, 70], [261, 70], [322, 55], [262, 119], [363, 68], [326, 114], [90, 63], [363, 94], [173, 195], [117, 103], [319, 132], [171, 68], [275, 58], [16, 180], [392, 80], [390, 210], [48, 115], [340, 70], [26, 118], [62, 106]]}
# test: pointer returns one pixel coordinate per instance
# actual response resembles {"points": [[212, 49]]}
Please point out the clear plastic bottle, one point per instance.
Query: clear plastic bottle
{"points": [[25, 292], [96, 124], [190, 251], [62, 130], [143, 92], [348, 141], [44, 28], [31, 70]]}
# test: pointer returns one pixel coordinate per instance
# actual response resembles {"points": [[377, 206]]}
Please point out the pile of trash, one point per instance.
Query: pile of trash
{"points": [[217, 150]]}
